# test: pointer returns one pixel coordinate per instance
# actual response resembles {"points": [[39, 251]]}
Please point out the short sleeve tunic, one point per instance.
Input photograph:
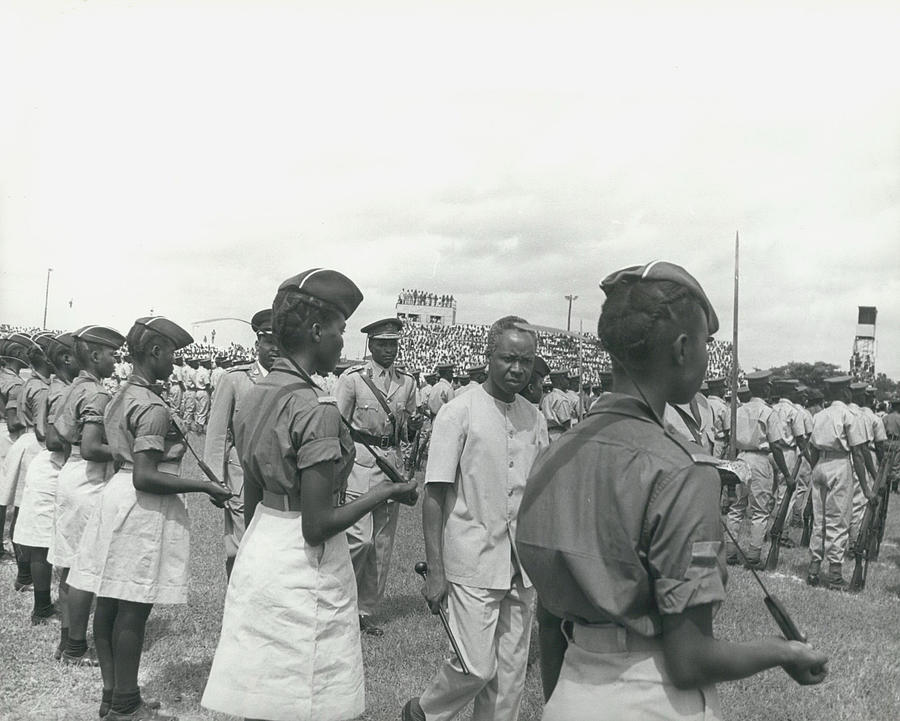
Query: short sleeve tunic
{"points": [[620, 522]]}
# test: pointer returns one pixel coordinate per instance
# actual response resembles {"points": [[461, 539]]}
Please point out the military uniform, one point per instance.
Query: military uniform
{"points": [[290, 646], [721, 414], [219, 451], [692, 421], [202, 388], [175, 393], [794, 429], [441, 392], [575, 403], [892, 431], [189, 400], [556, 407], [875, 436], [657, 507], [371, 539], [836, 431], [758, 429], [804, 475]]}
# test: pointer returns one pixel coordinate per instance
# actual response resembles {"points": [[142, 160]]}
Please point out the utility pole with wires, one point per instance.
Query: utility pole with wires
{"points": [[46, 297]]}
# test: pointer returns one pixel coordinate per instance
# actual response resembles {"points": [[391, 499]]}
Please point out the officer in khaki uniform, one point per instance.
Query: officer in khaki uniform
{"points": [[219, 451], [574, 397], [858, 500], [758, 434], [795, 444], [800, 397], [189, 397], [378, 399], [892, 432], [836, 450], [721, 415], [441, 392], [556, 406], [204, 389]]}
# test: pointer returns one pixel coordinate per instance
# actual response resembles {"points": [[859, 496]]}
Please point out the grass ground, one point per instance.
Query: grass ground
{"points": [[860, 633]]}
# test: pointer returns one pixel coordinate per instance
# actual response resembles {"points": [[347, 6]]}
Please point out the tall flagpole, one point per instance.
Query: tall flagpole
{"points": [[732, 448]]}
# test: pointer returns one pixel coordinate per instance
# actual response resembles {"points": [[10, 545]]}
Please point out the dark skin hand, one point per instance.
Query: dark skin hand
{"points": [[148, 479]]}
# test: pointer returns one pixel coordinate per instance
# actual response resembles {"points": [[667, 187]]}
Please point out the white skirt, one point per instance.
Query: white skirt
{"points": [[5, 441], [15, 466], [34, 524], [78, 492], [135, 546], [290, 648]]}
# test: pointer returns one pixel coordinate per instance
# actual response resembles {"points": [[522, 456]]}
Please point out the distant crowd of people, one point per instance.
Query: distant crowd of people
{"points": [[421, 297], [424, 346]]}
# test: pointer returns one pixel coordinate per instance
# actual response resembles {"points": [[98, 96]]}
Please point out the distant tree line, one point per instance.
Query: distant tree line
{"points": [[813, 375]]}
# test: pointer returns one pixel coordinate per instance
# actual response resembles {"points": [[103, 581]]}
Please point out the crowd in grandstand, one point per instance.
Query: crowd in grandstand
{"points": [[421, 297]]}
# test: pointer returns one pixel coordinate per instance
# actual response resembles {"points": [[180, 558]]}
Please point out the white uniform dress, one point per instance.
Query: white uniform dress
{"points": [[289, 648], [135, 546], [80, 481], [34, 526], [15, 466]]}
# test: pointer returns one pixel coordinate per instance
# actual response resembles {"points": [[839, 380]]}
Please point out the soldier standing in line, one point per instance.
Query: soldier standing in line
{"points": [[215, 375], [378, 399], [534, 391], [442, 392], [175, 395], [858, 500], [219, 451], [759, 433], [556, 405], [462, 383], [189, 405], [201, 384], [801, 494], [836, 449], [721, 415], [478, 373], [794, 430], [892, 431], [12, 355]]}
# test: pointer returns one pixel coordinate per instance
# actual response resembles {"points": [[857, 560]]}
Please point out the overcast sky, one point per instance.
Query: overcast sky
{"points": [[189, 156]]}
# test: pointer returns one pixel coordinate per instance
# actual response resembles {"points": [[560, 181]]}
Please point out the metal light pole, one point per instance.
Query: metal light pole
{"points": [[47, 297], [570, 298]]}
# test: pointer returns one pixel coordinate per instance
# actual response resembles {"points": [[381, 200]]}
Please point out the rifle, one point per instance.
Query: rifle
{"points": [[865, 549], [807, 519], [889, 459], [778, 526], [207, 471]]}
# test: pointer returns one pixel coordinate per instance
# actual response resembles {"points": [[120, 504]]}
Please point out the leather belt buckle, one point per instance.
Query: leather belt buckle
{"points": [[385, 442]]}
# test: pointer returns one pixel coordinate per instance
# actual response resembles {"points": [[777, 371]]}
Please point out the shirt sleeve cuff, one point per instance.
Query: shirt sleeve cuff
{"points": [[438, 480], [149, 443], [701, 586], [318, 451], [93, 419]]}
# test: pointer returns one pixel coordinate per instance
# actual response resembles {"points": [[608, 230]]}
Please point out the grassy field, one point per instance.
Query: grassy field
{"points": [[861, 634]]}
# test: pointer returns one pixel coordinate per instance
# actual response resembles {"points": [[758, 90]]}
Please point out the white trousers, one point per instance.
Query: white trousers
{"points": [[493, 630]]}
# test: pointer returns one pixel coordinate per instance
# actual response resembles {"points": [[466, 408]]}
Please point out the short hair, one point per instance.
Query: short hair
{"points": [[141, 339], [638, 318], [499, 327], [294, 313]]}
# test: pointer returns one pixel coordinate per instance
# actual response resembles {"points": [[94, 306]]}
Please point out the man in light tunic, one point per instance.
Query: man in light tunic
{"points": [[482, 449]]}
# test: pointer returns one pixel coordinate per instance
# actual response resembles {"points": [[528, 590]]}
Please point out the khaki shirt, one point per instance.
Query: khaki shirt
{"points": [[620, 522], [228, 400], [201, 379], [136, 420], [187, 377], [556, 408], [288, 426], [575, 401], [215, 376], [758, 427], [10, 383], [792, 420], [32, 399], [892, 424], [837, 428], [692, 421], [57, 390], [484, 449], [84, 401], [876, 426], [721, 413], [441, 392], [806, 419]]}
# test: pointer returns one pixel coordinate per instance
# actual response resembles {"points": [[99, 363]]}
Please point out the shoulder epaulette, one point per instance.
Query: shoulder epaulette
{"points": [[241, 367], [355, 369], [403, 372]]}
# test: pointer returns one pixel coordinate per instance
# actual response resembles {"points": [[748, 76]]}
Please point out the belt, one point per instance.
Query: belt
{"points": [[172, 468], [281, 501], [829, 453], [610, 639], [373, 440], [753, 450]]}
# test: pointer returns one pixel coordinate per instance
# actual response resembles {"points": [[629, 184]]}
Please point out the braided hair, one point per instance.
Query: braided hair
{"points": [[294, 313], [640, 317], [141, 339]]}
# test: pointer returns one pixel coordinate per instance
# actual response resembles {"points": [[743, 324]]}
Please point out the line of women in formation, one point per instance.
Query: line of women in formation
{"points": [[96, 481]]}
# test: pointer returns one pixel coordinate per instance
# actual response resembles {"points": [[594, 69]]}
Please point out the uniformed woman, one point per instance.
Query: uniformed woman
{"points": [[620, 530], [134, 551], [34, 521], [79, 422], [290, 643]]}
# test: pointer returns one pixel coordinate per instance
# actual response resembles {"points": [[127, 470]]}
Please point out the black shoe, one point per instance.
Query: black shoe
{"points": [[86, 660], [836, 583], [48, 616], [812, 579], [755, 564], [151, 703], [367, 627], [733, 561], [786, 542], [22, 586], [412, 711], [144, 712]]}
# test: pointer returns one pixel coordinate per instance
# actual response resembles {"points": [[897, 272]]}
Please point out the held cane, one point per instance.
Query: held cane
{"points": [[422, 569]]}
